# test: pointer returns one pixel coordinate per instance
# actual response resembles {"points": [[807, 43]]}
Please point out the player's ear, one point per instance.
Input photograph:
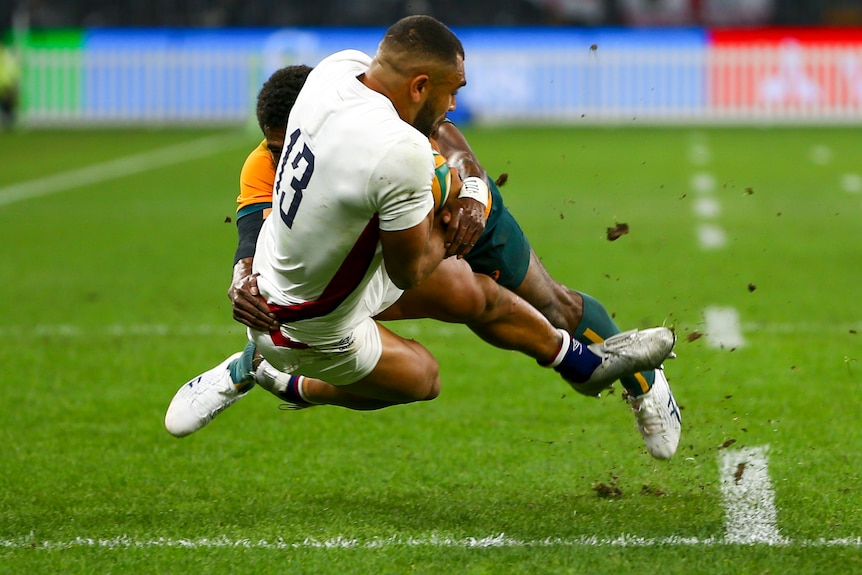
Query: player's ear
{"points": [[419, 86]]}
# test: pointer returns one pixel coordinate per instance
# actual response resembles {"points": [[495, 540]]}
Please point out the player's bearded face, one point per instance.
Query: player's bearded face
{"points": [[427, 118], [440, 100]]}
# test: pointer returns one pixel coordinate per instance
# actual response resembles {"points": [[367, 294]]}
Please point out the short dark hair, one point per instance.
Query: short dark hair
{"points": [[278, 95], [423, 35]]}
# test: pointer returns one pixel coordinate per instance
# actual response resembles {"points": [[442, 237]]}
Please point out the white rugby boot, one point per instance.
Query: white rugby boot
{"points": [[658, 417], [622, 354], [197, 402]]}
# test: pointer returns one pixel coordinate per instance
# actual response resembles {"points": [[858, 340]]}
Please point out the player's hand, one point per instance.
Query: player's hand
{"points": [[248, 307], [465, 221]]}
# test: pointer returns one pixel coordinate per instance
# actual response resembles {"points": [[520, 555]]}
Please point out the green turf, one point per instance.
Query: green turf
{"points": [[114, 295]]}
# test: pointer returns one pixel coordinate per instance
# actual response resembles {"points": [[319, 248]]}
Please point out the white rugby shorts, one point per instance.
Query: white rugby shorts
{"points": [[340, 362]]}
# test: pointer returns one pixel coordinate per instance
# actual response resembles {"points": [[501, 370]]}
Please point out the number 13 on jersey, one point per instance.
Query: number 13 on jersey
{"points": [[297, 185]]}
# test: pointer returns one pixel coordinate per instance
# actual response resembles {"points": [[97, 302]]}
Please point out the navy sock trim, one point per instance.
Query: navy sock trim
{"points": [[579, 363], [291, 391]]}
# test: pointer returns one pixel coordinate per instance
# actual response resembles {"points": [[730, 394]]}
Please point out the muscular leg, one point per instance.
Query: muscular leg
{"points": [[454, 294], [404, 373], [300, 391], [581, 315], [523, 321], [563, 307]]}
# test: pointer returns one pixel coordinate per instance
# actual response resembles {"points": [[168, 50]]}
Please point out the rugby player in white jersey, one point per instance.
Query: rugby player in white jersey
{"points": [[333, 337]]}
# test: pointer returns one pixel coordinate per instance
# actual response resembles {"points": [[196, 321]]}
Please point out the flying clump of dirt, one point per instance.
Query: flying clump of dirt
{"points": [[617, 231]]}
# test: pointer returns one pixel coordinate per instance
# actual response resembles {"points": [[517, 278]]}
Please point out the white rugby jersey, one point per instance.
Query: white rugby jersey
{"points": [[350, 167]]}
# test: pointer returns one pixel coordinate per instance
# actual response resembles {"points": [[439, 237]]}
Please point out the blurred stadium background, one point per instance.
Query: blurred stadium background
{"points": [[171, 62], [742, 238]]}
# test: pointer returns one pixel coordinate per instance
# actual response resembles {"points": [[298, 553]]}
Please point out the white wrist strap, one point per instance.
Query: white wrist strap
{"points": [[475, 188]]}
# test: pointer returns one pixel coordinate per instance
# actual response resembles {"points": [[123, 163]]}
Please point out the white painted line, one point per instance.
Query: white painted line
{"points": [[749, 501], [703, 183], [707, 207], [414, 328], [723, 327], [117, 330], [851, 183], [434, 541], [711, 236], [820, 155], [127, 166], [197, 330]]}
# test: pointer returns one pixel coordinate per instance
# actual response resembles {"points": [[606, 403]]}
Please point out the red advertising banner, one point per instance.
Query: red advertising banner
{"points": [[796, 71]]}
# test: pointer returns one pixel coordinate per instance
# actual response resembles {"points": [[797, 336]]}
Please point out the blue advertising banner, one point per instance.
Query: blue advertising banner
{"points": [[513, 73]]}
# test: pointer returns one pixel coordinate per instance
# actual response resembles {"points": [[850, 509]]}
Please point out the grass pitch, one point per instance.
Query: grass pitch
{"points": [[116, 263]]}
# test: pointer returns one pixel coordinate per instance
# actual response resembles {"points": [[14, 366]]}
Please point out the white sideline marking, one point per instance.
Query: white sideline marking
{"points": [[707, 207], [750, 519], [749, 501], [711, 237], [438, 541], [723, 328], [117, 330], [703, 182], [164, 330], [134, 164], [851, 183], [412, 329], [820, 155]]}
